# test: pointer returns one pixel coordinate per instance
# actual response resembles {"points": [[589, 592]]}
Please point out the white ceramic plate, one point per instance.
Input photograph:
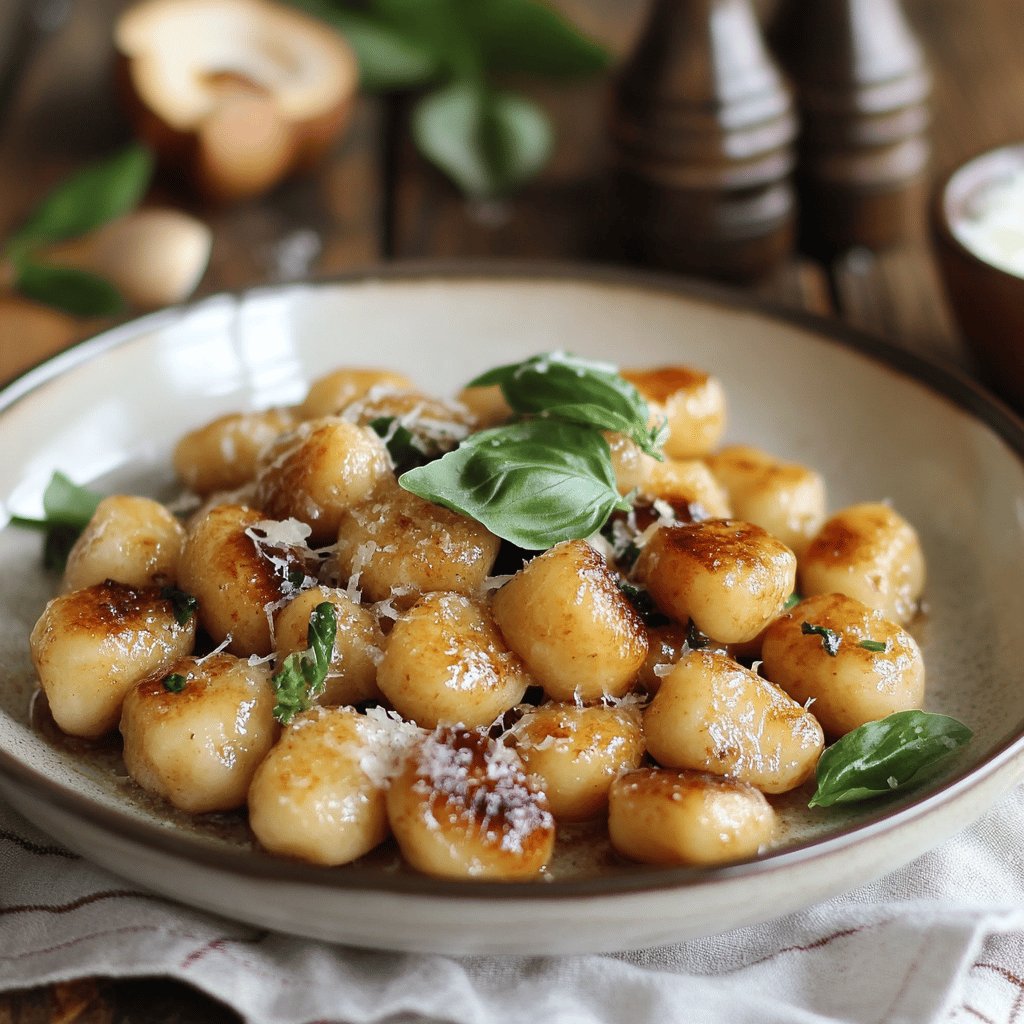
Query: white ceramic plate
{"points": [[879, 426]]}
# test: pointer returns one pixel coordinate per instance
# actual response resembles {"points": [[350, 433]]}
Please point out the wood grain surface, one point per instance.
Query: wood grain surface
{"points": [[375, 199]]}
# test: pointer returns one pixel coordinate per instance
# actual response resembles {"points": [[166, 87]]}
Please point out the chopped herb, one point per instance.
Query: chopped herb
{"points": [[185, 605], [792, 601], [302, 677], [296, 577], [644, 604], [873, 645], [175, 682], [830, 639], [880, 757]]}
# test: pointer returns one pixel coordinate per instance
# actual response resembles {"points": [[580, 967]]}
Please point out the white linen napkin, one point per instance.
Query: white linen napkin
{"points": [[941, 940]]}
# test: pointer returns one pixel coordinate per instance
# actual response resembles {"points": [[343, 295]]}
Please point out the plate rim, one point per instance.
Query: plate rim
{"points": [[945, 380]]}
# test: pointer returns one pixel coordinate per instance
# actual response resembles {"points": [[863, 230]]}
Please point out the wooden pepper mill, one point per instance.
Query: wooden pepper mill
{"points": [[862, 89], [702, 128]]}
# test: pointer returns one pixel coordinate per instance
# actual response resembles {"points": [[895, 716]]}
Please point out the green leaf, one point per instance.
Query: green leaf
{"points": [[533, 483], [830, 639], [74, 291], [876, 646], [91, 197], [523, 36], [401, 443], [447, 29], [644, 604], [564, 386], [185, 605], [302, 677], [488, 143], [175, 682], [388, 58], [879, 758]]}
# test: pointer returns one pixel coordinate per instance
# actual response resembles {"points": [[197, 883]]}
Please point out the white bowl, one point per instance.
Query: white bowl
{"points": [[877, 423]]}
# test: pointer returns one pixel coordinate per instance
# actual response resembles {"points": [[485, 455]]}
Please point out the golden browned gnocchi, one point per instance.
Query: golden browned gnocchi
{"points": [[130, 540], [854, 664], [358, 643], [785, 499], [577, 753], [330, 394], [240, 574], [565, 616], [712, 714], [662, 816], [90, 647], [446, 661], [730, 578], [869, 552], [223, 455], [690, 401], [315, 795], [195, 734], [317, 471], [462, 807], [340, 662], [396, 546]]}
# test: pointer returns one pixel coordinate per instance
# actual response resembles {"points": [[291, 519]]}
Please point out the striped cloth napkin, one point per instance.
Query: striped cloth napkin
{"points": [[941, 940]]}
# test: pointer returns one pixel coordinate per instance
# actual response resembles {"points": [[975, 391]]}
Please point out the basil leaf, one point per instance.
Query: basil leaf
{"points": [[66, 288], [533, 483], [879, 758], [873, 645], [792, 601], [185, 605], [400, 442], [566, 387], [644, 604], [67, 509], [302, 677], [91, 197], [526, 37], [388, 57], [487, 142], [447, 29]]}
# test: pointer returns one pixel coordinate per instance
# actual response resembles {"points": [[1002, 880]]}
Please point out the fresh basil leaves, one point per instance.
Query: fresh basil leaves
{"points": [[830, 639], [487, 139], [302, 677], [67, 509], [547, 477], [90, 198], [533, 483], [881, 757]]}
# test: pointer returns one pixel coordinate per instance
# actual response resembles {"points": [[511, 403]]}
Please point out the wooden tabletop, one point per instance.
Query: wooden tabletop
{"points": [[374, 199]]}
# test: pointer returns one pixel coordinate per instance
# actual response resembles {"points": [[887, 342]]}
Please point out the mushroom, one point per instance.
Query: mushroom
{"points": [[236, 94]]}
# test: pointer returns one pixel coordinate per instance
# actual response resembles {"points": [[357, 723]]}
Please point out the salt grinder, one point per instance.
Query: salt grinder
{"points": [[862, 90], [702, 129]]}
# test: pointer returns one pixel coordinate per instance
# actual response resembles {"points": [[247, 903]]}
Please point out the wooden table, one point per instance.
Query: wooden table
{"points": [[375, 200]]}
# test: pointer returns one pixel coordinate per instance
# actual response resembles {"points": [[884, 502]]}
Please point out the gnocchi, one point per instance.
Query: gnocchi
{"points": [[354, 662]]}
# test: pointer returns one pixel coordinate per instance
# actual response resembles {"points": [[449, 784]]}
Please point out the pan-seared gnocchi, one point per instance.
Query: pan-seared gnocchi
{"points": [[358, 672]]}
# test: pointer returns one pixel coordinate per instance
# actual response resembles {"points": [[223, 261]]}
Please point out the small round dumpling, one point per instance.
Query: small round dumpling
{"points": [[463, 807], [330, 394], [358, 644], [712, 714], [223, 455], [317, 471], [196, 734], [731, 578], [564, 614], [398, 546], [663, 816], [313, 797], [577, 753], [128, 539], [446, 661], [90, 647], [869, 552], [875, 668]]}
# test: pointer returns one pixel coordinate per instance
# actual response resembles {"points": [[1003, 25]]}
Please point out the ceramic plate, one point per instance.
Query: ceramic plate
{"points": [[880, 426]]}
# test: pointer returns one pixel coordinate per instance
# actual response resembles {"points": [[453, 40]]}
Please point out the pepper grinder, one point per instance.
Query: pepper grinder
{"points": [[702, 129], [862, 90]]}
